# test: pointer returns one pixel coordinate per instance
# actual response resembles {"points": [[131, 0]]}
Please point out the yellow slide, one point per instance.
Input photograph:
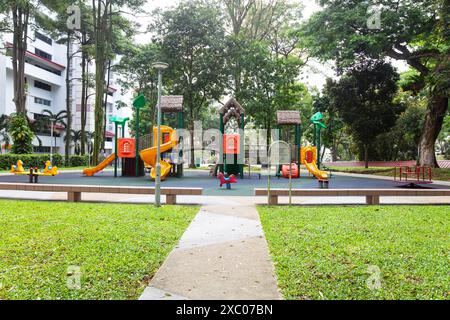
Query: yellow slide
{"points": [[149, 155], [102, 165], [319, 174]]}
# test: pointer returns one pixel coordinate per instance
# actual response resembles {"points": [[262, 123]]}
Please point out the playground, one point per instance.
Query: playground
{"points": [[292, 164]]}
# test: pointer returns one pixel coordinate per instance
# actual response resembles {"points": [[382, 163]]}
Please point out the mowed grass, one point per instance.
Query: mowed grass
{"points": [[439, 174], [360, 252], [116, 247]]}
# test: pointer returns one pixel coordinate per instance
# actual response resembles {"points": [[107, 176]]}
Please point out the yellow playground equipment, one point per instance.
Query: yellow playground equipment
{"points": [[309, 160], [49, 170], [169, 141]]}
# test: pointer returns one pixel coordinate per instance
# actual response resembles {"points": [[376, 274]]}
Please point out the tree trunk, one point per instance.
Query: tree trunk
{"points": [[366, 156], [105, 103], [83, 97], [434, 119], [21, 15], [68, 100], [191, 129], [100, 24]]}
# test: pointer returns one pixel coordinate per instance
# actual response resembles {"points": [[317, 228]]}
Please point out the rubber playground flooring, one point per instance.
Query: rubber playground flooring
{"points": [[202, 179]]}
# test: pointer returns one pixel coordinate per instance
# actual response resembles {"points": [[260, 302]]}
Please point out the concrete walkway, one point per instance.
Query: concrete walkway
{"points": [[222, 255]]}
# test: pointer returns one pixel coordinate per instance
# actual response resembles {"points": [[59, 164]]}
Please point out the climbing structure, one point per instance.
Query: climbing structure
{"points": [[232, 149]]}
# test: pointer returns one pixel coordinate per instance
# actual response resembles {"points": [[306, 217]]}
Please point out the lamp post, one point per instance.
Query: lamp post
{"points": [[52, 121], [160, 66]]}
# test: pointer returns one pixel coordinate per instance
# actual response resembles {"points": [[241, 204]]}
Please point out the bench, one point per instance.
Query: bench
{"points": [[74, 191], [372, 195]]}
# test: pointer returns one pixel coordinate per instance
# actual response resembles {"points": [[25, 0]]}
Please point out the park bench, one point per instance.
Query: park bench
{"points": [[74, 191], [372, 195]]}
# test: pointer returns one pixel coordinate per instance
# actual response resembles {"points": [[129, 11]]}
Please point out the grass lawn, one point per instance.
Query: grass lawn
{"points": [[438, 174], [333, 252], [118, 248]]}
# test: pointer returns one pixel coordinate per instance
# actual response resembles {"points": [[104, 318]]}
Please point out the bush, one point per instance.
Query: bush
{"points": [[21, 133], [38, 160], [29, 160], [78, 161]]}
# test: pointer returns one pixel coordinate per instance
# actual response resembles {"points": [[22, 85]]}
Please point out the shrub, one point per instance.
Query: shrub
{"points": [[29, 160], [38, 160], [21, 134], [78, 161]]}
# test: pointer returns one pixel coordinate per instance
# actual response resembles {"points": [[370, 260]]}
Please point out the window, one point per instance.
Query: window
{"points": [[43, 54], [42, 85], [43, 38], [45, 102], [110, 107]]}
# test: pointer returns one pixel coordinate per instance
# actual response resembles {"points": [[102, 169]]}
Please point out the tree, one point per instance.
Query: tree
{"points": [[104, 13], [53, 119], [74, 137], [191, 39], [18, 15], [413, 31], [364, 100], [138, 76], [335, 132], [21, 134]]}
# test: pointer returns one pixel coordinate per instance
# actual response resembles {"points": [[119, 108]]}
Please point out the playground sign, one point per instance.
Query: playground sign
{"points": [[127, 148]]}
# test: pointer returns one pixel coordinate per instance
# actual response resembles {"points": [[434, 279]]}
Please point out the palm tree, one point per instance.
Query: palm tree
{"points": [[75, 138], [55, 119]]}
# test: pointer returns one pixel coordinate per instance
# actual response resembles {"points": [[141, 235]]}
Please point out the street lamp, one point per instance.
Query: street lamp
{"points": [[160, 66], [52, 121]]}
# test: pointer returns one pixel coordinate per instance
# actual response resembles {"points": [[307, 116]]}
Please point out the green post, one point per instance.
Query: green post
{"points": [[316, 119], [122, 122], [137, 141], [222, 130], [139, 102], [116, 125], [298, 142]]}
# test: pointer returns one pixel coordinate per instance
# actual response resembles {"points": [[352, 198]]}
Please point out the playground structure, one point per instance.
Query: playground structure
{"points": [[414, 175], [49, 170], [232, 150], [226, 180], [149, 155], [128, 149], [34, 173], [306, 156]]}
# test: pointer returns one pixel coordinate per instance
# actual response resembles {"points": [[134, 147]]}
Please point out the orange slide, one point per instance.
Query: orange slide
{"points": [[309, 159], [102, 165], [149, 155]]}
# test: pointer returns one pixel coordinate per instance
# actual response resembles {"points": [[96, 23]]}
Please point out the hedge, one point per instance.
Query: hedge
{"points": [[38, 160], [78, 161]]}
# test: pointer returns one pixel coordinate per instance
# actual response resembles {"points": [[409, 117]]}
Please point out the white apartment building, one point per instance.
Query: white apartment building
{"points": [[45, 72]]}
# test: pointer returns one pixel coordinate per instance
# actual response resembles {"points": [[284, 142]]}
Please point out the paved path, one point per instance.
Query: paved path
{"points": [[222, 255]]}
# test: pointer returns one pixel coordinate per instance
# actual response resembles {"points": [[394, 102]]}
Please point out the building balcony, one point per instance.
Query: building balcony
{"points": [[41, 68]]}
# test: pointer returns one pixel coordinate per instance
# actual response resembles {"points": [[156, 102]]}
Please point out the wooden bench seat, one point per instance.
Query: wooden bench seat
{"points": [[372, 195], [74, 191]]}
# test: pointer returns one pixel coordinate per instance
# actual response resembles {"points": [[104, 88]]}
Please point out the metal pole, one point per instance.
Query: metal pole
{"points": [[51, 140], [137, 142], [290, 176], [158, 145], [115, 149]]}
